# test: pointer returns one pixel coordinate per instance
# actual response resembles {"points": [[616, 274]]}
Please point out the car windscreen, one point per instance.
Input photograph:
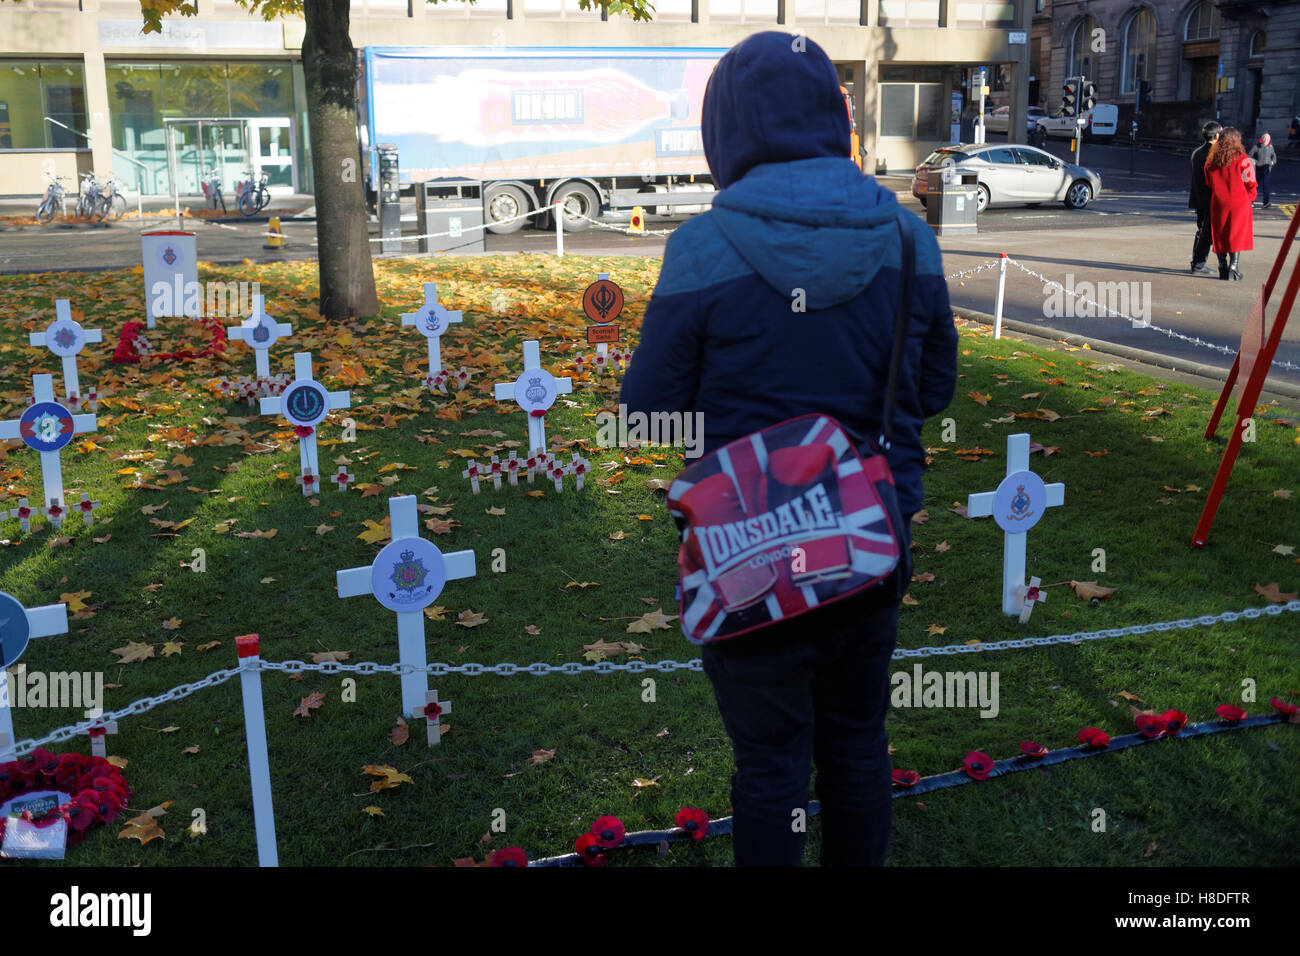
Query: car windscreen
{"points": [[944, 157]]}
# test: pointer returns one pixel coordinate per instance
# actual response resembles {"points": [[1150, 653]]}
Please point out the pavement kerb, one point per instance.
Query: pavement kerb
{"points": [[1153, 362]]}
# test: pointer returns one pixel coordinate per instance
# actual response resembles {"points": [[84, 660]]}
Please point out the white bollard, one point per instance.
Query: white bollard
{"points": [[1002, 285], [7, 741], [559, 228], [259, 764]]}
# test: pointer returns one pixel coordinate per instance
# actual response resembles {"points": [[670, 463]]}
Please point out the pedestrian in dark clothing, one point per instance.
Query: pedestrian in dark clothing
{"points": [[1231, 177], [1198, 197], [780, 302], [1264, 156]]}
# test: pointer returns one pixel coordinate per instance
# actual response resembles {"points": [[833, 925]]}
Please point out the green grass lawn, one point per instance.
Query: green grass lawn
{"points": [[220, 472]]}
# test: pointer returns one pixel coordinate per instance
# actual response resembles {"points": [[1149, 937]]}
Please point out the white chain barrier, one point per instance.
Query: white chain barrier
{"points": [[145, 704]]}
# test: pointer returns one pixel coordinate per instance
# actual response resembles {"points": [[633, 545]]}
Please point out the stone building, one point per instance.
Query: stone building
{"points": [[1234, 60]]}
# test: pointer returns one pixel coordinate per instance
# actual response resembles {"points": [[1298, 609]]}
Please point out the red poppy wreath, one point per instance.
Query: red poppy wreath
{"points": [[132, 346], [90, 790]]}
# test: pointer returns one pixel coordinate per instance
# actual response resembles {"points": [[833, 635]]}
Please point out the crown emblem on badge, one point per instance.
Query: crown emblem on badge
{"points": [[408, 555], [536, 391], [169, 255]]}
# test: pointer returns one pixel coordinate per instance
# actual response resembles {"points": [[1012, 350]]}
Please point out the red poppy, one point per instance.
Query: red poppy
{"points": [[1093, 737], [537, 412], [95, 732], [508, 856], [81, 812], [693, 821], [978, 765], [1033, 749], [1150, 725], [1175, 720], [906, 778], [431, 711], [588, 847], [302, 431], [608, 831], [1230, 712], [1283, 707]]}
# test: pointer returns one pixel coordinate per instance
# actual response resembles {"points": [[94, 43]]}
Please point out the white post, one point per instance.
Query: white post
{"points": [[559, 228], [7, 742], [1002, 285], [259, 764]]}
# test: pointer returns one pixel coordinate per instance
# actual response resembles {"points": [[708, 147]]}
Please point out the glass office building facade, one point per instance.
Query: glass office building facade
{"points": [[180, 120]]}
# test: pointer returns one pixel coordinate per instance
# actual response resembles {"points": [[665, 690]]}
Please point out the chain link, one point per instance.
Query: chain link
{"points": [[538, 668], [1142, 323], [623, 229], [991, 264], [138, 707]]}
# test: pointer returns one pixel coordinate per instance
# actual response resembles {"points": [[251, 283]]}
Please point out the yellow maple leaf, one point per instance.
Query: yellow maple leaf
{"points": [[376, 531], [171, 624], [436, 613], [468, 618], [651, 621], [390, 777], [373, 811], [172, 648], [75, 601], [133, 652]]}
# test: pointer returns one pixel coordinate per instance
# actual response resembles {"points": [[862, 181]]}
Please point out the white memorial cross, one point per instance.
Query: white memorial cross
{"points": [[1030, 595], [65, 338], [512, 469], [473, 474], [1016, 506], [304, 404], [259, 332], [99, 733], [432, 320], [433, 710], [18, 625], [406, 577], [494, 472], [535, 392], [47, 427], [579, 467]]}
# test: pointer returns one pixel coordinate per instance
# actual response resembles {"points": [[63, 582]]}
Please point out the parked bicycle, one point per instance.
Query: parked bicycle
{"points": [[253, 196], [112, 204], [211, 184], [52, 204], [87, 197]]}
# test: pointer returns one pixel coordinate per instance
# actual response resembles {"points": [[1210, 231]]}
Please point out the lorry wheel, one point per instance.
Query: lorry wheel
{"points": [[579, 199], [504, 203]]}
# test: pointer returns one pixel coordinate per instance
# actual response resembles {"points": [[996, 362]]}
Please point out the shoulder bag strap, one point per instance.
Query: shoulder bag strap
{"points": [[902, 319]]}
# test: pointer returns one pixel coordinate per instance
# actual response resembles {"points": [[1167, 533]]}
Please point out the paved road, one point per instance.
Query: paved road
{"points": [[1138, 236]]}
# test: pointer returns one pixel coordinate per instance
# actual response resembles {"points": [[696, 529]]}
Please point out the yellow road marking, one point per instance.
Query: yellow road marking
{"points": [[1287, 209]]}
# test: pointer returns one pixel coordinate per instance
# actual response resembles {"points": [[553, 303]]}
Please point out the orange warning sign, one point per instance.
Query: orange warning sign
{"points": [[602, 301], [601, 333]]}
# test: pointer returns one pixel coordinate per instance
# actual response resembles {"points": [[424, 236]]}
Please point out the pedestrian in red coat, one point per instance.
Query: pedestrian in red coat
{"points": [[1230, 175]]}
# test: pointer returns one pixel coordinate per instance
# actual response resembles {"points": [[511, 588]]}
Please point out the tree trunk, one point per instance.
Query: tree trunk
{"points": [[347, 279]]}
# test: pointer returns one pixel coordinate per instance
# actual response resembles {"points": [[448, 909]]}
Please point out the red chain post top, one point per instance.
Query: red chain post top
{"points": [[246, 646]]}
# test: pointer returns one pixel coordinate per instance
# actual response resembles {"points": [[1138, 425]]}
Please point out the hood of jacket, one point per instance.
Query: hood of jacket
{"points": [[793, 204]]}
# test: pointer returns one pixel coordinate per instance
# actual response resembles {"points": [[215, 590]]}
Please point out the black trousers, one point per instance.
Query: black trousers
{"points": [[814, 689], [1201, 247], [1264, 175]]}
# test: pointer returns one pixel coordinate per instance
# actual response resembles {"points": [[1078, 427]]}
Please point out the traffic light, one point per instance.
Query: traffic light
{"points": [[1070, 97], [1143, 95], [1088, 97]]}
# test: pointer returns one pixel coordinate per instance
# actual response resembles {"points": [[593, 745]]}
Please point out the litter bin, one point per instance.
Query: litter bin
{"points": [[951, 202], [390, 200], [453, 206]]}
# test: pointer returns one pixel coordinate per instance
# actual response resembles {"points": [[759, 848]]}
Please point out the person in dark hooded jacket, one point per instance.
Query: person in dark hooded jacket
{"points": [[780, 302]]}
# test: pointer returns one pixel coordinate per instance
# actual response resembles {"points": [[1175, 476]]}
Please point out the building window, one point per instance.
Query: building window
{"points": [[908, 13], [1139, 50], [558, 10], [822, 11], [42, 105], [983, 15], [482, 9], [1257, 44], [912, 105], [1078, 51], [743, 11], [1202, 22]]}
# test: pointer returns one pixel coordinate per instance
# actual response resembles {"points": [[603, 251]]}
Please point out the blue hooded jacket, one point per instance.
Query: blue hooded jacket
{"points": [[780, 301]]}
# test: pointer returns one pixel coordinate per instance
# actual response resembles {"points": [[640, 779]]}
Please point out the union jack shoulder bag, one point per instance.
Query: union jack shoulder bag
{"points": [[788, 518]]}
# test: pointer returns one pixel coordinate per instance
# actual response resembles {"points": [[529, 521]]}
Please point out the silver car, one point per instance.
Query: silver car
{"points": [[1011, 174]]}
